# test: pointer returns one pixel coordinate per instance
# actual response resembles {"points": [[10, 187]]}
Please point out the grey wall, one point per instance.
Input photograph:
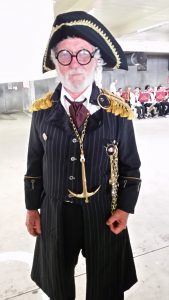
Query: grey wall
{"points": [[43, 86], [157, 73], [12, 96], [18, 97]]}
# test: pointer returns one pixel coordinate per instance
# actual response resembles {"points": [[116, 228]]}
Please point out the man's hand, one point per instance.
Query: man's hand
{"points": [[118, 221], [33, 222]]}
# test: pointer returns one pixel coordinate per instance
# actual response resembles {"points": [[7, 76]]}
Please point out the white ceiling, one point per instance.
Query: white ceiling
{"points": [[140, 21], [25, 27]]}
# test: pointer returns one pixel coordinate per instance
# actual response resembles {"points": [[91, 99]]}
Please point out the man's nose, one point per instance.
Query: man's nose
{"points": [[74, 62]]}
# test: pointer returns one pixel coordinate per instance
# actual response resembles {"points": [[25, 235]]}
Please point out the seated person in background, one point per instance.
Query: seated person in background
{"points": [[162, 100], [127, 95], [119, 92], [151, 106], [136, 104]]}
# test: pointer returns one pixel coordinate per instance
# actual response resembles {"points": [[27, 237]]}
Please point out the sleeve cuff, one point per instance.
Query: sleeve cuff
{"points": [[33, 192], [129, 188]]}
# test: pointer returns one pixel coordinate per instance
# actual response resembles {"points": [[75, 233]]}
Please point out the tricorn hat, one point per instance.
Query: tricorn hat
{"points": [[83, 25]]}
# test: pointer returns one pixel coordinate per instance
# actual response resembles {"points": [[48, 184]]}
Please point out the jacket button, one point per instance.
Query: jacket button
{"points": [[70, 196], [73, 158], [71, 177], [74, 140]]}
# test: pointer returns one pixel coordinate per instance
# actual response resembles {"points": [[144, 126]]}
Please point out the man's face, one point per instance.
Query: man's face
{"points": [[76, 77]]}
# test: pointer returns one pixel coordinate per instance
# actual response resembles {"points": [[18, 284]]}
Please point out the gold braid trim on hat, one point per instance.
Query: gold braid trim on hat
{"points": [[95, 28], [42, 103], [117, 105]]}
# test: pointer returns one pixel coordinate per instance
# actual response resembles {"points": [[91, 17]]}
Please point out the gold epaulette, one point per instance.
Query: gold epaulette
{"points": [[118, 106], [42, 103]]}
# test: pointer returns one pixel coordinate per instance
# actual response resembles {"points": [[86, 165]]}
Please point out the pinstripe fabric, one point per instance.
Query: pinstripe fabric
{"points": [[110, 266]]}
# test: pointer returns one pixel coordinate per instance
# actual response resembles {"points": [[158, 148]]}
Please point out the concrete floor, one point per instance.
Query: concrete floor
{"points": [[149, 227]]}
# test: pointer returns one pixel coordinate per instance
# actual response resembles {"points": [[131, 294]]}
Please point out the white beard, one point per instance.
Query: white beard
{"points": [[76, 87]]}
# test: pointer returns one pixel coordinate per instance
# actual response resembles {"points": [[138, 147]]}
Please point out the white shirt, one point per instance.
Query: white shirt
{"points": [[152, 99], [87, 93], [134, 100]]}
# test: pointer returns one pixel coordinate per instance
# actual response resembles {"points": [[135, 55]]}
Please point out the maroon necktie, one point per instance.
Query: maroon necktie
{"points": [[78, 112]]}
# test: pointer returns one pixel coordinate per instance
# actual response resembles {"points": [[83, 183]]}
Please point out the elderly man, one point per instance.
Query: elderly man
{"points": [[82, 178]]}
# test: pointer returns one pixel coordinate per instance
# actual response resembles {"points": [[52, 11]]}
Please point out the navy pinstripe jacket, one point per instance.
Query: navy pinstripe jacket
{"points": [[53, 167]]}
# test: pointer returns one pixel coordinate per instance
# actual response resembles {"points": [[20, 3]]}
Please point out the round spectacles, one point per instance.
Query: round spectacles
{"points": [[83, 56]]}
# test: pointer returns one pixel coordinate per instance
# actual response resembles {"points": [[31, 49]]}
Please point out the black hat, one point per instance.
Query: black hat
{"points": [[81, 24]]}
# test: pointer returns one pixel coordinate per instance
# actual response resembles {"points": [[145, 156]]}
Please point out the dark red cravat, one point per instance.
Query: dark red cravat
{"points": [[78, 112]]}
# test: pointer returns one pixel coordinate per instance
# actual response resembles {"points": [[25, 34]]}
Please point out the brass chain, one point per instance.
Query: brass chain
{"points": [[85, 193], [114, 177], [80, 138], [113, 163]]}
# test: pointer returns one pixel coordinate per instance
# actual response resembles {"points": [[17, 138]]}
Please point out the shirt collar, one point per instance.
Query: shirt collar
{"points": [[86, 94], [93, 97]]}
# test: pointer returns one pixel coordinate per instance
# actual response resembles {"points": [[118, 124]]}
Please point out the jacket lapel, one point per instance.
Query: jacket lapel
{"points": [[57, 114], [96, 119]]}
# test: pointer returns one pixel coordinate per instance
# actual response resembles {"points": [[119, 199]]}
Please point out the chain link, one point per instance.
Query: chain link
{"points": [[85, 193], [80, 138], [113, 163], [114, 177]]}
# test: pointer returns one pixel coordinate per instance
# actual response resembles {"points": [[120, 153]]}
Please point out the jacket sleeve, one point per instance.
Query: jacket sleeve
{"points": [[33, 181], [129, 164]]}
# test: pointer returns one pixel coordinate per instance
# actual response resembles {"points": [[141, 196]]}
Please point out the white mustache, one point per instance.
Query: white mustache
{"points": [[75, 72]]}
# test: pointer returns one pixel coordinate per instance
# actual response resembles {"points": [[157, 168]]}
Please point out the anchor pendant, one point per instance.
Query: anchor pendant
{"points": [[85, 194]]}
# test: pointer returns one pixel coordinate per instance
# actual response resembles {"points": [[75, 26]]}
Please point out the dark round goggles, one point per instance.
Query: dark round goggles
{"points": [[83, 56]]}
